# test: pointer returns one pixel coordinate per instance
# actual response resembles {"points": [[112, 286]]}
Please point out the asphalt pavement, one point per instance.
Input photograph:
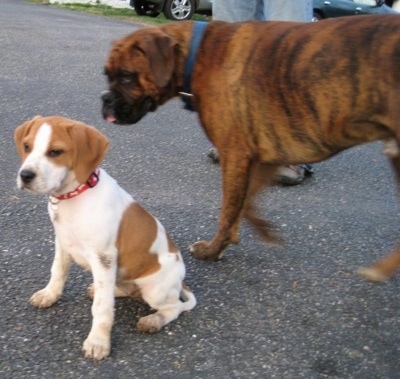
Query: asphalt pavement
{"points": [[263, 312]]}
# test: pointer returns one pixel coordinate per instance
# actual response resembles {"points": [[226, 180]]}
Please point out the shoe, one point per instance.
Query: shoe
{"points": [[292, 175], [214, 155]]}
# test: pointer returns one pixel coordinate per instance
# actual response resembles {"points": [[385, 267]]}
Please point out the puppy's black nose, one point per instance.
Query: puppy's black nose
{"points": [[107, 97], [27, 176]]}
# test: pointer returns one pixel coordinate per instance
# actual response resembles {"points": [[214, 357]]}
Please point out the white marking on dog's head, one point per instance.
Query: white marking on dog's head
{"points": [[39, 173], [57, 154]]}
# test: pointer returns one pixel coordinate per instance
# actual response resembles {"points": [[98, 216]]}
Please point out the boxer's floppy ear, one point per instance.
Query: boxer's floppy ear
{"points": [[20, 132], [159, 48], [91, 147]]}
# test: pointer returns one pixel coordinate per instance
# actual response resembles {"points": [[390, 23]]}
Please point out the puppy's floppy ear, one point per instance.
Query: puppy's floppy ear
{"points": [[91, 147], [21, 131], [159, 48]]}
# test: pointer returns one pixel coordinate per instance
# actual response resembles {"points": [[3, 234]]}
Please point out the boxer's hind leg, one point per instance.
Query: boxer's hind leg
{"points": [[387, 266], [262, 175], [235, 179]]}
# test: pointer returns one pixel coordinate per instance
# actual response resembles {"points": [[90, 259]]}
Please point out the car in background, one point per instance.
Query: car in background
{"points": [[177, 10], [337, 8], [180, 10]]}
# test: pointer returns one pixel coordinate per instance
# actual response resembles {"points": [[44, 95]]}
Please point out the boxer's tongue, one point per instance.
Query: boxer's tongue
{"points": [[110, 118]]}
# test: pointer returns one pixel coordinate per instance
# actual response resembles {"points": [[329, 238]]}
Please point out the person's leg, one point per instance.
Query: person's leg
{"points": [[288, 10], [234, 10]]}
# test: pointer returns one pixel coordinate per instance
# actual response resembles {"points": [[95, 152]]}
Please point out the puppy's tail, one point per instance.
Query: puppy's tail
{"points": [[187, 298]]}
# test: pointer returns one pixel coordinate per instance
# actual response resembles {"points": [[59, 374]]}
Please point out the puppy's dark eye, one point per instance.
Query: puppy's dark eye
{"points": [[26, 148], [54, 153]]}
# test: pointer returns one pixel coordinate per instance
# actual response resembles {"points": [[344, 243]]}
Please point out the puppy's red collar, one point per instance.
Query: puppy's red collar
{"points": [[91, 182]]}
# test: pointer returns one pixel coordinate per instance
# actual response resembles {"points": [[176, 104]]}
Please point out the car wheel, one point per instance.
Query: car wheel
{"points": [[317, 16], [179, 10], [142, 8]]}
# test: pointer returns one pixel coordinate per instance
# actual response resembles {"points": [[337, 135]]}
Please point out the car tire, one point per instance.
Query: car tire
{"points": [[317, 16], [142, 8], [179, 10]]}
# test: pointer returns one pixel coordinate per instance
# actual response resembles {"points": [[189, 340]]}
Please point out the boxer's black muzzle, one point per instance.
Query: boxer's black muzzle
{"points": [[118, 110]]}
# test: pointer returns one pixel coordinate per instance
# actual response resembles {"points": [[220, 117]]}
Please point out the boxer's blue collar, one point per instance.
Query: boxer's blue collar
{"points": [[199, 28]]}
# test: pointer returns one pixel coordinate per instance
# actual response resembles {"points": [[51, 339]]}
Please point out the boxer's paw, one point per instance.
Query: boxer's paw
{"points": [[204, 250], [372, 274], [44, 298]]}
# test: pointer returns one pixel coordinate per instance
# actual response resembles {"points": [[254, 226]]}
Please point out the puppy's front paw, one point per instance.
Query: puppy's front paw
{"points": [[96, 347], [44, 298], [151, 323]]}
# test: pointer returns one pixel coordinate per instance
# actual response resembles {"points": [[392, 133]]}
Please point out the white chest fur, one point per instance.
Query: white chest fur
{"points": [[84, 225]]}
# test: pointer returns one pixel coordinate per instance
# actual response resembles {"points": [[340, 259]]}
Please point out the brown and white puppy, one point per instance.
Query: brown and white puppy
{"points": [[101, 227], [267, 94]]}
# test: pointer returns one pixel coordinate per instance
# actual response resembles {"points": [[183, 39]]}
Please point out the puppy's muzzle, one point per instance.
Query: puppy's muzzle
{"points": [[27, 176]]}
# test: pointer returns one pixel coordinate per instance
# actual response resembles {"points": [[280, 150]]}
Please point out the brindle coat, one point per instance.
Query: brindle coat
{"points": [[268, 94]]}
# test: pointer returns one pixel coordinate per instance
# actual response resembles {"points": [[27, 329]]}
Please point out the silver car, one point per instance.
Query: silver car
{"points": [[177, 10]]}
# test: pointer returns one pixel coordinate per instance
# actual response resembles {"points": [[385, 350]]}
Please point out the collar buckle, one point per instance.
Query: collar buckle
{"points": [[93, 179], [199, 28]]}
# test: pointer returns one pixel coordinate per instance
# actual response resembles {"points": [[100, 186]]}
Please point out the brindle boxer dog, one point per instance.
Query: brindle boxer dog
{"points": [[267, 94]]}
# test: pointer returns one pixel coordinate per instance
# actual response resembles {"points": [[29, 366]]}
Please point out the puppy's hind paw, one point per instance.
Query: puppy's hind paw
{"points": [[151, 323], [44, 298]]}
